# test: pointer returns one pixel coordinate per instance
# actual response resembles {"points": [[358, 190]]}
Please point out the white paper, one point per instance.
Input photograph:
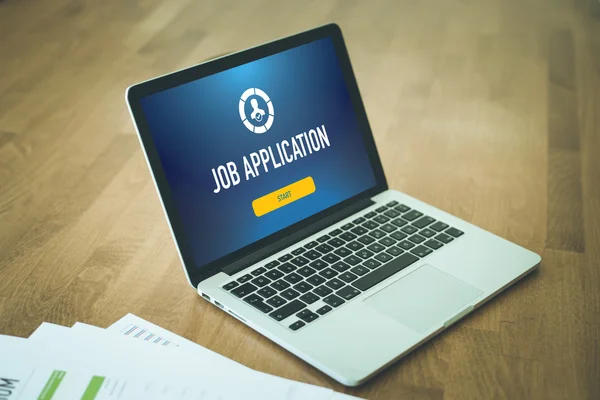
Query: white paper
{"points": [[94, 348], [135, 327], [29, 371]]}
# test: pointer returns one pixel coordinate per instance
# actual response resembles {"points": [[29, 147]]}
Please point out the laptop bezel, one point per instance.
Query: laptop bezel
{"points": [[280, 239]]}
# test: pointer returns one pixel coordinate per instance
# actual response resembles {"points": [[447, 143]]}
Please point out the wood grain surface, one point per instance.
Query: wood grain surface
{"points": [[488, 109]]}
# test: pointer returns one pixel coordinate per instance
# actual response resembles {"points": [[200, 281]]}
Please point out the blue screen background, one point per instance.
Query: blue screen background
{"points": [[197, 127]]}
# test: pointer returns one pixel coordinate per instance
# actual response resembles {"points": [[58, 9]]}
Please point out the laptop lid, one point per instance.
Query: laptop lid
{"points": [[258, 149]]}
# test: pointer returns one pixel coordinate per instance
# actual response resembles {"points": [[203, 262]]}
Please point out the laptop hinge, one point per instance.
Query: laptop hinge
{"points": [[295, 237]]}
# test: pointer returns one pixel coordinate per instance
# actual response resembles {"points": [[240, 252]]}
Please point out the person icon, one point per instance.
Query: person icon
{"points": [[257, 113]]}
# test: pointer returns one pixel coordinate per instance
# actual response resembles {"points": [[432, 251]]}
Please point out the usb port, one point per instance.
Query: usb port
{"points": [[207, 297]]}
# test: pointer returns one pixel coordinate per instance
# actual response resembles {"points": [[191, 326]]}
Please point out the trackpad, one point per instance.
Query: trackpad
{"points": [[424, 299]]}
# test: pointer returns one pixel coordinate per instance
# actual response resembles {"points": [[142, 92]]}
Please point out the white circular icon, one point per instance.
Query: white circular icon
{"points": [[260, 119]]}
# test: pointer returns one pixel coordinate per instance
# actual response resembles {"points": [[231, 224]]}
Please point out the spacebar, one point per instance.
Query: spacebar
{"points": [[384, 272]]}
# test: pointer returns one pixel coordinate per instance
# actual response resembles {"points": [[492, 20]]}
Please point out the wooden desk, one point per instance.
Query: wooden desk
{"points": [[489, 110]]}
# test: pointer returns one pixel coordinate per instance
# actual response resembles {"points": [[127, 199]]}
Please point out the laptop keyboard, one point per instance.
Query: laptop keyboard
{"points": [[340, 265]]}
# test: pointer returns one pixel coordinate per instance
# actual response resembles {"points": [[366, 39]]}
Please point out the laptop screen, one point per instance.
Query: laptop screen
{"points": [[254, 149]]}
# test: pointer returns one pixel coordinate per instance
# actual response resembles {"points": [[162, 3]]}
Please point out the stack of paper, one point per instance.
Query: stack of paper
{"points": [[132, 359]]}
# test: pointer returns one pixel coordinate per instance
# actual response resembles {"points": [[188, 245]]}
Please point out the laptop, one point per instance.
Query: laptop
{"points": [[277, 200]]}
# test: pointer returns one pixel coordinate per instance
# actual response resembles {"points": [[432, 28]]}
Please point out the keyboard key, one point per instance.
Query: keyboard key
{"points": [[406, 245], [364, 254], [230, 285], [359, 220], [312, 254], [412, 215], [454, 232], [434, 244], [342, 252], [348, 226], [374, 277], [261, 281], [360, 270], [289, 294], [335, 232], [388, 228], [297, 325], [439, 226], [370, 214], [423, 222], [244, 290], [348, 293], [442, 237], [285, 258], [267, 292], [380, 219], [376, 247], [333, 300], [391, 213], [347, 277], [421, 251], [309, 298], [377, 234], [334, 283], [399, 222], [287, 310], [324, 310], [381, 209], [352, 260], [402, 208], [280, 285], [347, 236], [399, 235], [316, 280], [298, 251], [366, 239], [383, 257], [259, 271], [318, 264], [340, 266], [258, 303], [276, 301], [306, 271], [387, 241], [416, 238], [307, 316], [359, 230], [311, 245], [303, 287], [322, 291], [336, 242], [272, 264], [370, 225], [323, 238], [324, 248], [427, 232], [244, 278], [293, 278], [328, 273], [371, 264], [395, 251], [392, 203], [286, 268], [409, 229], [300, 261], [355, 246], [331, 258]]}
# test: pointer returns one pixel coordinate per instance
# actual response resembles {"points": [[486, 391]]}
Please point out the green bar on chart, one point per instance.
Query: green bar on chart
{"points": [[93, 388], [52, 385]]}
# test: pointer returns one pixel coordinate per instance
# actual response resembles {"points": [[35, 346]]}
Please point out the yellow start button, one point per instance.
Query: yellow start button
{"points": [[286, 195]]}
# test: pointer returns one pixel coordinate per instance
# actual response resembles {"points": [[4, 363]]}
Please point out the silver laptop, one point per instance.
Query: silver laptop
{"points": [[270, 179]]}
